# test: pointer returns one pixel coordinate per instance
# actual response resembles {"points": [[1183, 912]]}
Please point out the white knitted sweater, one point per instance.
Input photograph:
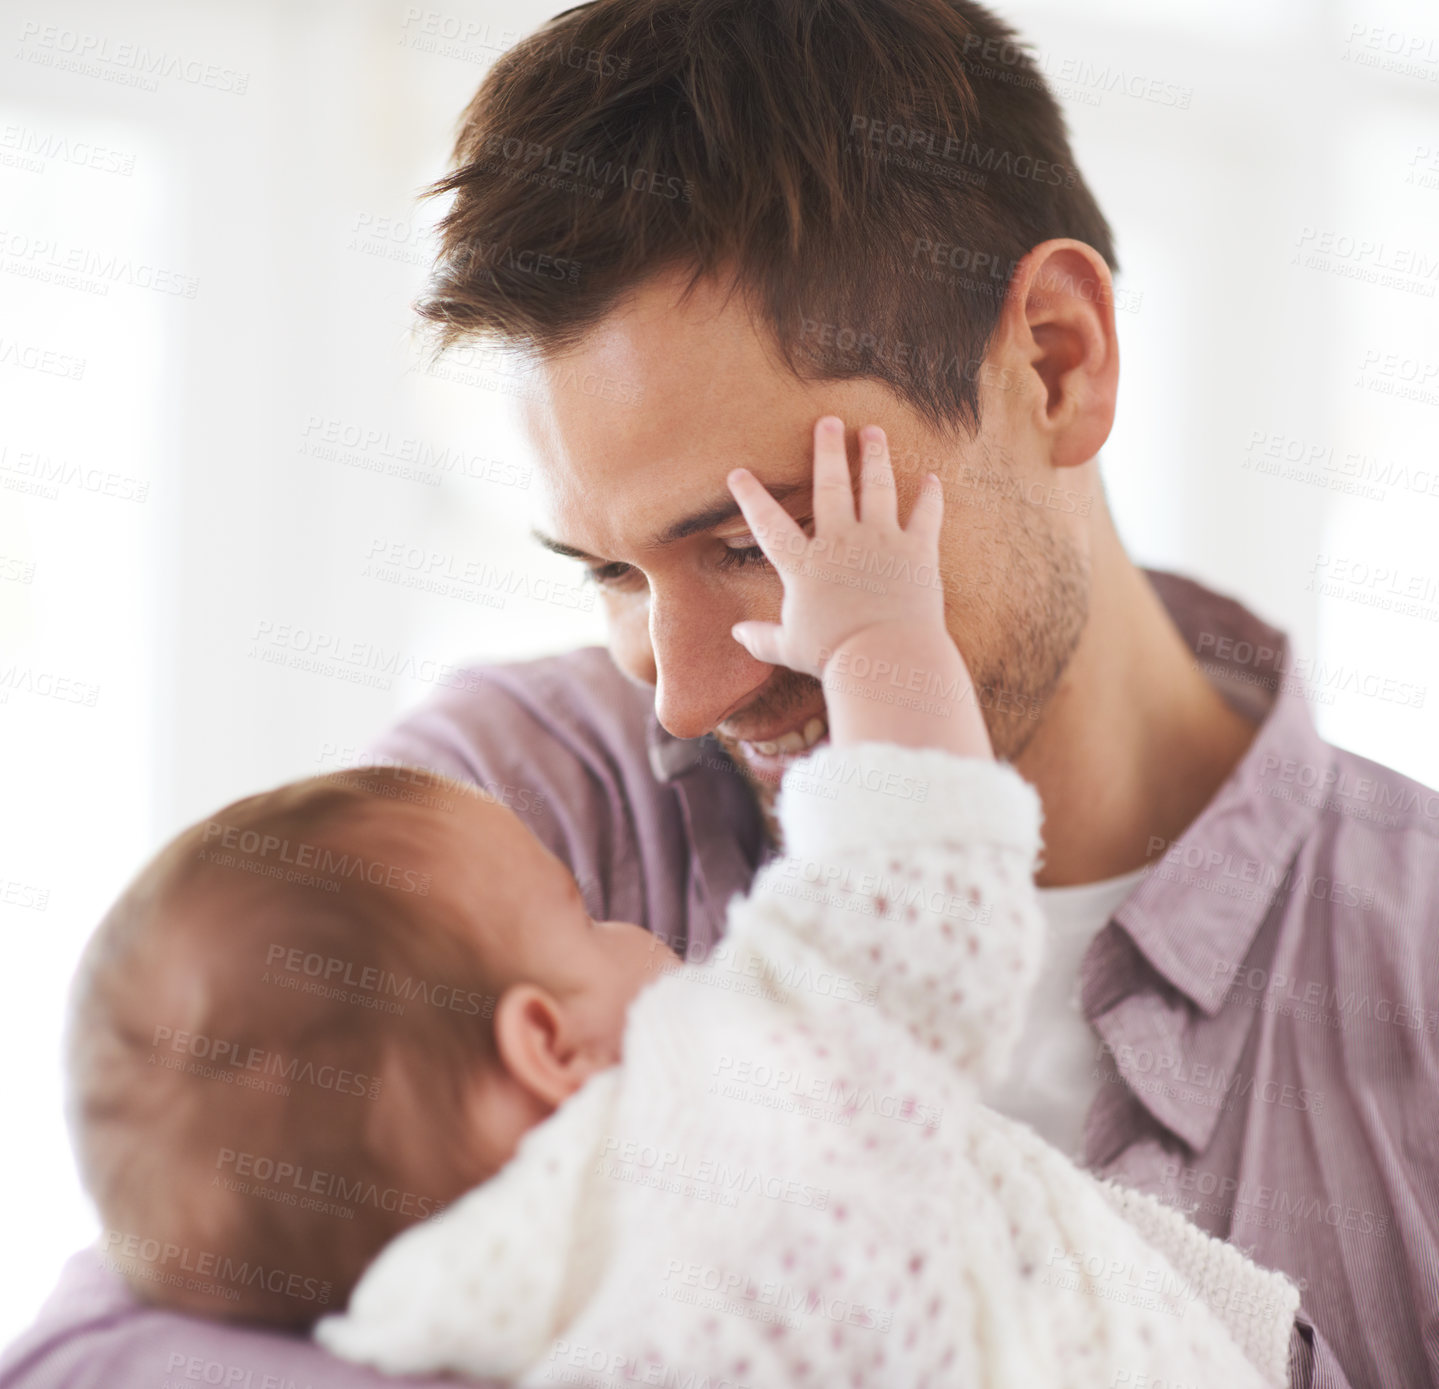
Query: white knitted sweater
{"points": [[790, 1180]]}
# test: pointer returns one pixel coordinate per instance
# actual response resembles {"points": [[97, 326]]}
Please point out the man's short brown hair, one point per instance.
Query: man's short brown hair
{"points": [[868, 173]]}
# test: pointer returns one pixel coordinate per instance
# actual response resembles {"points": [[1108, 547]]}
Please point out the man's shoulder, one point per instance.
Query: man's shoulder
{"points": [[574, 705], [1373, 855], [581, 690], [1365, 806], [92, 1333]]}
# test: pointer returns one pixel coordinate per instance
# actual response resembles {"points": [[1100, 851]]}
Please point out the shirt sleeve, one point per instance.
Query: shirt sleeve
{"points": [[906, 885], [571, 769], [1257, 1306]]}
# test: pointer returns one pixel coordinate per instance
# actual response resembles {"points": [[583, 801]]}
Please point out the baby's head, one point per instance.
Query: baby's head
{"points": [[319, 1016]]}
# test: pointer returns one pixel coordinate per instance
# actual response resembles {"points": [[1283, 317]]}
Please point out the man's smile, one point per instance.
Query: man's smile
{"points": [[767, 757], [792, 740]]}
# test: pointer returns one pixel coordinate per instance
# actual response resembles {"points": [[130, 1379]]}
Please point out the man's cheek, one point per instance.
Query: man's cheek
{"points": [[627, 621]]}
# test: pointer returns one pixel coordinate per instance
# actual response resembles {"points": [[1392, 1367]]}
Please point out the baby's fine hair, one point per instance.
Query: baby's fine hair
{"points": [[270, 1041]]}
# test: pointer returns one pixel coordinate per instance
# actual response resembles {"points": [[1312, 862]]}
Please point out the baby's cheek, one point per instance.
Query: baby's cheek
{"points": [[616, 983]]}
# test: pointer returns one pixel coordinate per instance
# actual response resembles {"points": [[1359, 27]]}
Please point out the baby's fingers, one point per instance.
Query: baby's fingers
{"points": [[773, 528], [761, 640], [833, 490], [876, 478], [927, 516]]}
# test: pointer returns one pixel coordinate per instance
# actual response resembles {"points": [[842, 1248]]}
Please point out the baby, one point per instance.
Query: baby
{"points": [[357, 1040]]}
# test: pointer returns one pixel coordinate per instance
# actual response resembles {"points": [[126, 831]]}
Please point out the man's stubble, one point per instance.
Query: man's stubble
{"points": [[1032, 616]]}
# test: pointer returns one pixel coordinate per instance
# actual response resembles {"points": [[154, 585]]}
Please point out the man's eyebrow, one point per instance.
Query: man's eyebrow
{"points": [[560, 548], [724, 509]]}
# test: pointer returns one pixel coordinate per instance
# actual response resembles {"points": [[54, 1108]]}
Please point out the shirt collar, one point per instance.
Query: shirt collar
{"points": [[1195, 915], [672, 757], [1193, 918]]}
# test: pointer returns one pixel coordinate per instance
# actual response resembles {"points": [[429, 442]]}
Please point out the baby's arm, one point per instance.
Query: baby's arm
{"points": [[909, 851], [906, 888]]}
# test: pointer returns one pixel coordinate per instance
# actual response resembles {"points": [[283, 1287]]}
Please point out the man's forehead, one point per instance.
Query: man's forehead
{"points": [[635, 429], [665, 324], [653, 483], [580, 420], [667, 361]]}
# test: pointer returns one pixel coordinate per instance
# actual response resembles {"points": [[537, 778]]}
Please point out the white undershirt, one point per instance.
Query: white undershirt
{"points": [[1051, 1081]]}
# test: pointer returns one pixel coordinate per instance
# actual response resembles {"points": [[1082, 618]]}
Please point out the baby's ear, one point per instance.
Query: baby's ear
{"points": [[536, 1044]]}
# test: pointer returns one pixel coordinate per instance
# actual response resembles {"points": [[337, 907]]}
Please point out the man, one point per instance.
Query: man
{"points": [[764, 212]]}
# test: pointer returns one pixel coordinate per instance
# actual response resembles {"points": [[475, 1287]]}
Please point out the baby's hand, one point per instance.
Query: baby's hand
{"points": [[863, 606], [855, 573]]}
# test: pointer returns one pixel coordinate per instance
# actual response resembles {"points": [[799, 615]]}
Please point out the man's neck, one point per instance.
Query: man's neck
{"points": [[1135, 741]]}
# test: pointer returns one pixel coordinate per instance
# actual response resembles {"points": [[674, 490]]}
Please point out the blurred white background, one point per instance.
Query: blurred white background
{"points": [[214, 415]]}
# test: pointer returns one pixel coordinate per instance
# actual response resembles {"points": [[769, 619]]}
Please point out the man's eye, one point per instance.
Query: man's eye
{"points": [[608, 573], [739, 558]]}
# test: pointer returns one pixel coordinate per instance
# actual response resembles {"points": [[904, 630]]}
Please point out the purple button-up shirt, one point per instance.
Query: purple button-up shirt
{"points": [[1266, 1002]]}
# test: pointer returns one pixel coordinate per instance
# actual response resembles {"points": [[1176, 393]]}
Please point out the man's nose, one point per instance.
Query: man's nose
{"points": [[701, 672]]}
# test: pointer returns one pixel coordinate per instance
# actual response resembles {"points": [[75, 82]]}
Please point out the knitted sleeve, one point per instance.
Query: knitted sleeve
{"points": [[1257, 1305], [906, 887]]}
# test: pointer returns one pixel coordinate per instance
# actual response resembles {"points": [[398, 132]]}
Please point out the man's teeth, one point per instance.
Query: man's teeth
{"points": [[796, 740]]}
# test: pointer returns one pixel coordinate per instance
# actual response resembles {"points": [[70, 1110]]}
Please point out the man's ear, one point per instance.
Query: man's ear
{"points": [[1058, 319], [536, 1044]]}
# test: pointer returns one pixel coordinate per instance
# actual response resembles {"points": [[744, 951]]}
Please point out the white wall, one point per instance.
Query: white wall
{"points": [[197, 518]]}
